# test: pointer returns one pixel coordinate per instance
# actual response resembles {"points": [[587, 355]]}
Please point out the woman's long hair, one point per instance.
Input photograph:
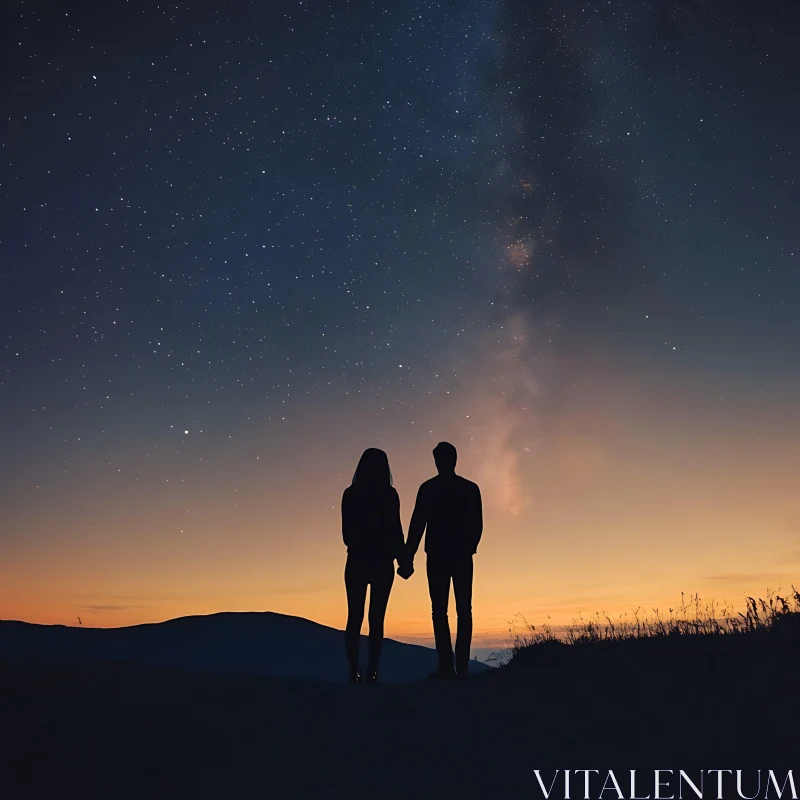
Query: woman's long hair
{"points": [[373, 469]]}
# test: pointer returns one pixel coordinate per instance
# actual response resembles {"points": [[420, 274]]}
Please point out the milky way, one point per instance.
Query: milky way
{"points": [[241, 242]]}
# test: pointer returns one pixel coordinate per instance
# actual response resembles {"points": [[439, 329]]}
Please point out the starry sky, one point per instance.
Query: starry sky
{"points": [[242, 242]]}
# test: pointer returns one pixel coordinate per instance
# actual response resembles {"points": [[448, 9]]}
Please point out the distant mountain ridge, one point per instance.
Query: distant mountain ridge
{"points": [[256, 642]]}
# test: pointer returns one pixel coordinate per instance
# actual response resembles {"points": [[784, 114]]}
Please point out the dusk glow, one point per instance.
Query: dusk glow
{"points": [[241, 246]]}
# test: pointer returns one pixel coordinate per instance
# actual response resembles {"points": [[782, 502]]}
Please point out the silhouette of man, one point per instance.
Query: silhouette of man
{"points": [[449, 511]]}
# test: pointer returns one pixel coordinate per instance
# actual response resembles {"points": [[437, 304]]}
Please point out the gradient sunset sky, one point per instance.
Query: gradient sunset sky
{"points": [[243, 242]]}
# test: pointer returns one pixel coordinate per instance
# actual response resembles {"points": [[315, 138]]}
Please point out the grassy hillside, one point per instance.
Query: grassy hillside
{"points": [[670, 701]]}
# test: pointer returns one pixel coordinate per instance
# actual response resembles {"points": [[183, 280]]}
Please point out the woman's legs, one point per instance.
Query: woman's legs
{"points": [[381, 580], [355, 583]]}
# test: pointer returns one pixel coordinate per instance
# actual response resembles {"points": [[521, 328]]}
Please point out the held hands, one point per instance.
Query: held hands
{"points": [[405, 567]]}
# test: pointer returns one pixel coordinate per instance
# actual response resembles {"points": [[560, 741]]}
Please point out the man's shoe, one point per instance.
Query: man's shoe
{"points": [[373, 677]]}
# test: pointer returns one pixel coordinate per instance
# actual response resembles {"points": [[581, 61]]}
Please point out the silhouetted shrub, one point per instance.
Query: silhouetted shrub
{"points": [[776, 615]]}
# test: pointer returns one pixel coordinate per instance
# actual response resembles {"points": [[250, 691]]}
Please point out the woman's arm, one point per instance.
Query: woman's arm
{"points": [[347, 518], [396, 529]]}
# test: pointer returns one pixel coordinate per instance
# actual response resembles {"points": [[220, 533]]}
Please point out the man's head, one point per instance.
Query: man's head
{"points": [[444, 454]]}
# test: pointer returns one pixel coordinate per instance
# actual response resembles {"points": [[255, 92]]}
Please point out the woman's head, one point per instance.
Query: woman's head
{"points": [[373, 469]]}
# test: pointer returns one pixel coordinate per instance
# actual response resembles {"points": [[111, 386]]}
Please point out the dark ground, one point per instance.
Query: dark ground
{"points": [[120, 731]]}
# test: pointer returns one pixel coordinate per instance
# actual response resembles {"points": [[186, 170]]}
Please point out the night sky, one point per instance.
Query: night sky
{"points": [[242, 242]]}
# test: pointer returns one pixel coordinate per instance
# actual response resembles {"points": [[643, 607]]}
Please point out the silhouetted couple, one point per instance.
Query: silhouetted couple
{"points": [[448, 509]]}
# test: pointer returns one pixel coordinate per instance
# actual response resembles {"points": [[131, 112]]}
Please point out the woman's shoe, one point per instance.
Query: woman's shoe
{"points": [[355, 675], [373, 677]]}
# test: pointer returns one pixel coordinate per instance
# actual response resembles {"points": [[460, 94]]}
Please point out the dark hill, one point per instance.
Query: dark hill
{"points": [[101, 730], [260, 643]]}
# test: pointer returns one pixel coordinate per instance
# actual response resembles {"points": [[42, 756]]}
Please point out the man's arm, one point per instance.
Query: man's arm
{"points": [[477, 517], [419, 519]]}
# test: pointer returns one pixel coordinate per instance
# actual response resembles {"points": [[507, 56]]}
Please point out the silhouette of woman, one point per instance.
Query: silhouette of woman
{"points": [[373, 533]]}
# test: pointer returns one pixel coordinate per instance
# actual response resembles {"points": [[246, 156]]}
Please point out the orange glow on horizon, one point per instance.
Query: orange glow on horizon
{"points": [[627, 502]]}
